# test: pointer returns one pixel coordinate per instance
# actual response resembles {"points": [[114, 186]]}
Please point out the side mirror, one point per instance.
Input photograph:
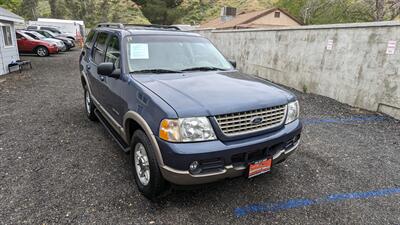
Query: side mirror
{"points": [[233, 62], [108, 69]]}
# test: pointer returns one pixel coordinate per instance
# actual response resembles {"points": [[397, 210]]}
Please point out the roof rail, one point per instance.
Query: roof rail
{"points": [[149, 26], [112, 25], [156, 26]]}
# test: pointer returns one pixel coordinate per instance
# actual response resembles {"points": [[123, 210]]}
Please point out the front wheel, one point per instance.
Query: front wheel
{"points": [[89, 106], [42, 51], [148, 177]]}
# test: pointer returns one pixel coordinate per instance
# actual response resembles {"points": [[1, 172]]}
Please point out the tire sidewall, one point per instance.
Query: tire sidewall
{"points": [[91, 115]]}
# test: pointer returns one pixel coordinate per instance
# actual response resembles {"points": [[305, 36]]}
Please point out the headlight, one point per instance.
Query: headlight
{"points": [[187, 130], [293, 112]]}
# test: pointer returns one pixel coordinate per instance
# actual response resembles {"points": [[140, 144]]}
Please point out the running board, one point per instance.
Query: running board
{"points": [[121, 143]]}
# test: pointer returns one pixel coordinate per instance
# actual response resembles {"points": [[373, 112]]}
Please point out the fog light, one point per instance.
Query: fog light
{"points": [[194, 165]]}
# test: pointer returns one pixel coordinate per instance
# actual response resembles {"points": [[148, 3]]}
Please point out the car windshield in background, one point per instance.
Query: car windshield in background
{"points": [[173, 54], [36, 34], [25, 36], [54, 30], [32, 36], [49, 34]]}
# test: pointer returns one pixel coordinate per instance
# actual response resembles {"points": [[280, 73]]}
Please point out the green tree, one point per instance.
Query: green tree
{"points": [[322, 11], [12, 5], [57, 8], [160, 11], [28, 9]]}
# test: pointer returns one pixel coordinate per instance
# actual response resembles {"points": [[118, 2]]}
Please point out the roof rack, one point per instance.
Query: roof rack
{"points": [[156, 26], [149, 26], [113, 25]]}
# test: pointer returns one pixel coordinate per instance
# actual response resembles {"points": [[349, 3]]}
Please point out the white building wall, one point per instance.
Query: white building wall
{"points": [[7, 54]]}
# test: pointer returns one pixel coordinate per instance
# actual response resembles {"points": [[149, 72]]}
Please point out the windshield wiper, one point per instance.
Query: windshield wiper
{"points": [[204, 68], [157, 71]]}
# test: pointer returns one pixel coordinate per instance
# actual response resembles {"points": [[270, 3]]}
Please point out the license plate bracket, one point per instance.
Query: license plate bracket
{"points": [[260, 167]]}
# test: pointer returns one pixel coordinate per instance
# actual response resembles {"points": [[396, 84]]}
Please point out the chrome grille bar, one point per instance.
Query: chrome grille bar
{"points": [[243, 122]]}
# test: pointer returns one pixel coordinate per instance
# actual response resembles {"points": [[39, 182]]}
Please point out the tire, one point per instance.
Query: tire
{"points": [[42, 51], [156, 184], [89, 106]]}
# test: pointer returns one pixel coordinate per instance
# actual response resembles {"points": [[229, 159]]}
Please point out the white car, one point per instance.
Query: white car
{"points": [[60, 44]]}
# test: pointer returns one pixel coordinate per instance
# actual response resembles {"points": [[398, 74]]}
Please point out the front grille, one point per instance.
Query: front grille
{"points": [[233, 124]]}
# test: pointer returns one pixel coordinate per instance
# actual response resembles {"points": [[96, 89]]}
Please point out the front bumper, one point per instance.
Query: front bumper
{"points": [[226, 160], [53, 50]]}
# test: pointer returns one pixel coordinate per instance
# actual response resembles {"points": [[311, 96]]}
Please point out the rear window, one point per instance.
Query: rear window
{"points": [[90, 37], [32, 27]]}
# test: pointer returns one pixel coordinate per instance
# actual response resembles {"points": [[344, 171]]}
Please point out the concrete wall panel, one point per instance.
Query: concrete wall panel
{"points": [[356, 71]]}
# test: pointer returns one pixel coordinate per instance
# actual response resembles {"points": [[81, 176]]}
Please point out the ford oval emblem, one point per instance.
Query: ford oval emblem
{"points": [[256, 120]]}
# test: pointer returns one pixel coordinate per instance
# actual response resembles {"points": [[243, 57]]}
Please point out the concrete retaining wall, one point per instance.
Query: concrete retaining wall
{"points": [[355, 69]]}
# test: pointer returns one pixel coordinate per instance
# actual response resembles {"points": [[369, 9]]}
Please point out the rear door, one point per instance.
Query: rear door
{"points": [[97, 56]]}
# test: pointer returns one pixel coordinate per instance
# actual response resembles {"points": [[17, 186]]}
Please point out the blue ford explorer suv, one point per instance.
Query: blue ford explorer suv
{"points": [[182, 110]]}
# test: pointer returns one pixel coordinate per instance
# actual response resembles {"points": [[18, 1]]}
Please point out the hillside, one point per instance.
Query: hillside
{"points": [[91, 11], [198, 11]]}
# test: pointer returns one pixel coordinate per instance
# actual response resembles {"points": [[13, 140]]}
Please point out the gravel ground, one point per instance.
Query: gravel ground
{"points": [[57, 167]]}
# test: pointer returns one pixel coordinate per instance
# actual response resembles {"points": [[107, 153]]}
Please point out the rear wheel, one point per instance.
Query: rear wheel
{"points": [[42, 51], [89, 106], [148, 177]]}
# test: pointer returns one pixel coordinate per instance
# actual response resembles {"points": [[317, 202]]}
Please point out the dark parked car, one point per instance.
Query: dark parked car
{"points": [[183, 111], [68, 42], [27, 44], [54, 30]]}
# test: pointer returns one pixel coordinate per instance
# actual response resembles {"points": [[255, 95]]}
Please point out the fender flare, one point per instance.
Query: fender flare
{"points": [[146, 128]]}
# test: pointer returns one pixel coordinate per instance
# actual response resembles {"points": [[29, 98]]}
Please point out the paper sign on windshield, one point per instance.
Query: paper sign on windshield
{"points": [[139, 51]]}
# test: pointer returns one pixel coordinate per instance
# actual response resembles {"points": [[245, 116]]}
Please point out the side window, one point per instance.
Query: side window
{"points": [[113, 51], [99, 48]]}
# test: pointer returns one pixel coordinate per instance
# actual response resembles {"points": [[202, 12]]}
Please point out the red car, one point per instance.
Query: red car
{"points": [[41, 48]]}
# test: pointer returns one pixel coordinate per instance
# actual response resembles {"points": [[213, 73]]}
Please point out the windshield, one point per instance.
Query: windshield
{"points": [[19, 35], [54, 30], [49, 34], [32, 36], [165, 54], [38, 35]]}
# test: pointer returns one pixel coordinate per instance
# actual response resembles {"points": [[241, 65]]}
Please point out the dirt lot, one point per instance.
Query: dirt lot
{"points": [[57, 167]]}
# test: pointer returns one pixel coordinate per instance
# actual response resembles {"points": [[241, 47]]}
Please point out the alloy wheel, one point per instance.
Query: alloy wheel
{"points": [[142, 165]]}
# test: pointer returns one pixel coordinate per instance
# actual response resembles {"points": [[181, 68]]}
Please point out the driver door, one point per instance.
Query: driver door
{"points": [[22, 43], [113, 100]]}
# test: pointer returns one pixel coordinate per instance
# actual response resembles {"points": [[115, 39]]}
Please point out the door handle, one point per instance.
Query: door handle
{"points": [[88, 67], [102, 78]]}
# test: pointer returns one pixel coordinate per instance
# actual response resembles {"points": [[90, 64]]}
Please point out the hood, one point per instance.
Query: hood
{"points": [[214, 93], [64, 39]]}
